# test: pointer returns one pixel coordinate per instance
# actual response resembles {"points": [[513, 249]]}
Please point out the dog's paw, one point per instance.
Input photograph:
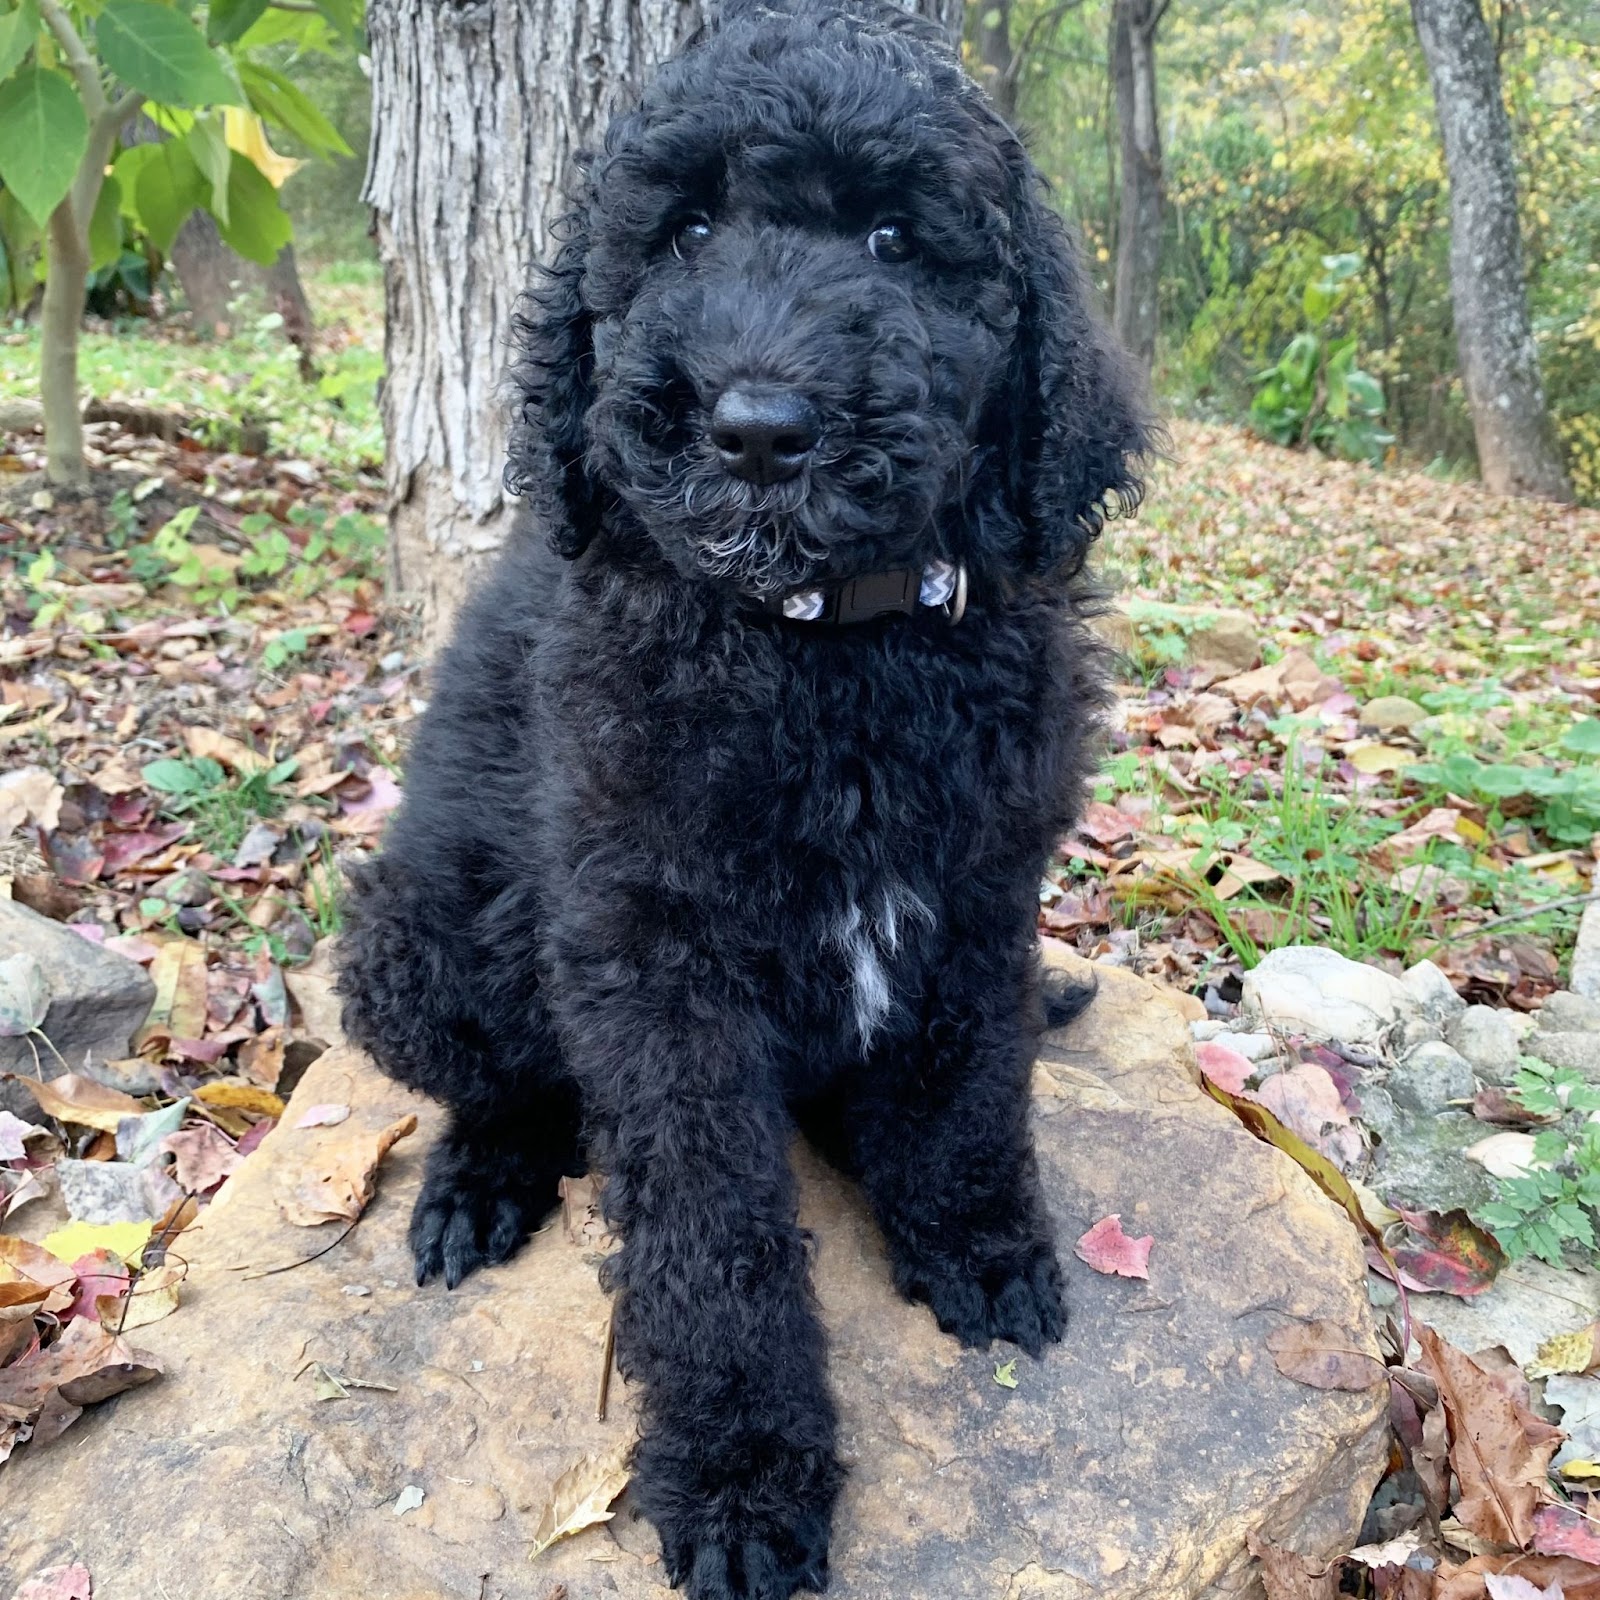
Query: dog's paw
{"points": [[475, 1211], [775, 1566], [1019, 1300]]}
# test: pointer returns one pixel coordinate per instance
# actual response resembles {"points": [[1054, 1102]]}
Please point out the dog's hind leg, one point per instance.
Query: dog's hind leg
{"points": [[424, 997], [940, 1138]]}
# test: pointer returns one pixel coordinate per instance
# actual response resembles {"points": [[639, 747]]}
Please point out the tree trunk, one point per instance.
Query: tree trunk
{"points": [[1137, 301], [288, 296], [65, 286], [211, 274], [478, 109], [1499, 360], [994, 57]]}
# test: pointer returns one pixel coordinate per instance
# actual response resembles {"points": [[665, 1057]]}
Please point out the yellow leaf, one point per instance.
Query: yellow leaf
{"points": [[179, 1011], [153, 1296], [241, 1097], [126, 1239], [582, 1496], [246, 133], [1566, 1352], [221, 747], [1580, 1471], [1376, 758]]}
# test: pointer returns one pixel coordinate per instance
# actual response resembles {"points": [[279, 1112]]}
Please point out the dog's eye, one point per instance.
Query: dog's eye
{"points": [[891, 242], [690, 236]]}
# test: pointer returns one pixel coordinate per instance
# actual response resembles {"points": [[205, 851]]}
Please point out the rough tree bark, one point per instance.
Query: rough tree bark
{"points": [[478, 109], [995, 63], [1499, 360], [1136, 300]]}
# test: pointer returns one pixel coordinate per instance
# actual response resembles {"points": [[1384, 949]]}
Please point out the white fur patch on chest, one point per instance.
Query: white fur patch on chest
{"points": [[869, 938]]}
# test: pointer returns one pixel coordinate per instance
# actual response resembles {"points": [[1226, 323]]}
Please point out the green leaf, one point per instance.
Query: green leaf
{"points": [[344, 15], [105, 226], [1006, 1375], [1583, 739], [1317, 301], [212, 156], [1366, 393], [172, 777], [43, 135], [282, 102], [161, 53], [229, 20], [257, 227], [168, 188], [17, 33]]}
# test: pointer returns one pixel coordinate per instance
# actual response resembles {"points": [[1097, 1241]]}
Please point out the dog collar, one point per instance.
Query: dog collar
{"points": [[941, 585]]}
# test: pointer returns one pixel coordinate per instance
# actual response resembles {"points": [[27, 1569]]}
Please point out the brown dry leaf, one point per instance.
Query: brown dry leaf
{"points": [[1287, 1576], [334, 1180], [84, 1365], [179, 1011], [1243, 871], [1305, 1099], [580, 1211], [582, 1496], [241, 1097], [1500, 1451], [26, 1268], [154, 1295], [1264, 683], [1546, 1577], [234, 753], [1439, 823], [1323, 1355], [202, 1157], [29, 794], [74, 1098]]}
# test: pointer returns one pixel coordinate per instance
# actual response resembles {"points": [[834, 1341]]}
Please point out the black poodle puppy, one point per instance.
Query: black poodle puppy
{"points": [[730, 809]]}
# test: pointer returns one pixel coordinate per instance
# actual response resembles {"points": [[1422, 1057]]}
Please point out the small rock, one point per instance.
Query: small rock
{"points": [[1391, 711], [1431, 1076], [1434, 993], [1489, 1040], [1586, 955], [1421, 1162], [1204, 1032], [1579, 1051], [1306, 989], [97, 1000], [114, 1191], [1252, 1046], [1564, 1012]]}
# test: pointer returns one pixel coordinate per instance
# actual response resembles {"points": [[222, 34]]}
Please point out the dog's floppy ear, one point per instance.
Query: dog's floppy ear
{"points": [[553, 378], [1079, 422]]}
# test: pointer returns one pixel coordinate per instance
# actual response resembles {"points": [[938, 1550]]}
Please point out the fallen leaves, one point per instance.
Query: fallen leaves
{"points": [[1323, 1355], [1499, 1450], [48, 1390], [1106, 1248], [582, 1496], [76, 1099], [1287, 1576], [335, 1178]]}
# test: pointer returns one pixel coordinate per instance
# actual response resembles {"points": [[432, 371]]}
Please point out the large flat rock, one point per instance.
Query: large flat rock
{"points": [[1132, 1462]]}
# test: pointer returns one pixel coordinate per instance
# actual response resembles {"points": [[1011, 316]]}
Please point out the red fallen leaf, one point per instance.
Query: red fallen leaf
{"points": [[360, 623], [1564, 1531], [1224, 1067], [1106, 1248], [1496, 1105], [1105, 824], [58, 1583], [122, 850], [99, 1272], [201, 1157], [207, 1051], [1447, 1253], [253, 1136]]}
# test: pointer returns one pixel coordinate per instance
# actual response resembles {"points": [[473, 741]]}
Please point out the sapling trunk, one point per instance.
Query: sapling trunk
{"points": [[64, 291]]}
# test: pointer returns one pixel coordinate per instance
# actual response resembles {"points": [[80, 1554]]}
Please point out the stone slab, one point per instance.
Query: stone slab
{"points": [[1130, 1464]]}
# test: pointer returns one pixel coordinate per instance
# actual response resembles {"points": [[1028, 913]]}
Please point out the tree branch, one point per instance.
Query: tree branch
{"points": [[78, 58], [291, 5]]}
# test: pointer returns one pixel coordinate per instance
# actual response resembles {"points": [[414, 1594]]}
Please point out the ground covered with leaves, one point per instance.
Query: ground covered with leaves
{"points": [[1358, 709]]}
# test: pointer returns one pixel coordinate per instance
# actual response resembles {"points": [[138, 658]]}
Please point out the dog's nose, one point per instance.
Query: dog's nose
{"points": [[764, 435]]}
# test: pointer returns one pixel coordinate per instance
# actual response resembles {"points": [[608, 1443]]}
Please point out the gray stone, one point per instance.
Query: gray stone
{"points": [[1434, 993], [1306, 989], [1579, 1051], [98, 1000], [1489, 1040], [959, 1488], [1565, 1012], [1420, 1161], [114, 1191], [1528, 1303], [1430, 1077], [1586, 956], [1211, 1028], [1391, 711], [1252, 1046]]}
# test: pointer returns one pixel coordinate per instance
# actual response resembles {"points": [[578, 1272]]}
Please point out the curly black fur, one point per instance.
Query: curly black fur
{"points": [[674, 874]]}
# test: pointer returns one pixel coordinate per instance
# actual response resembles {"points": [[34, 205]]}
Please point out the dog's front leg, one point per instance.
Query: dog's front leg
{"points": [[715, 1316], [940, 1136]]}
